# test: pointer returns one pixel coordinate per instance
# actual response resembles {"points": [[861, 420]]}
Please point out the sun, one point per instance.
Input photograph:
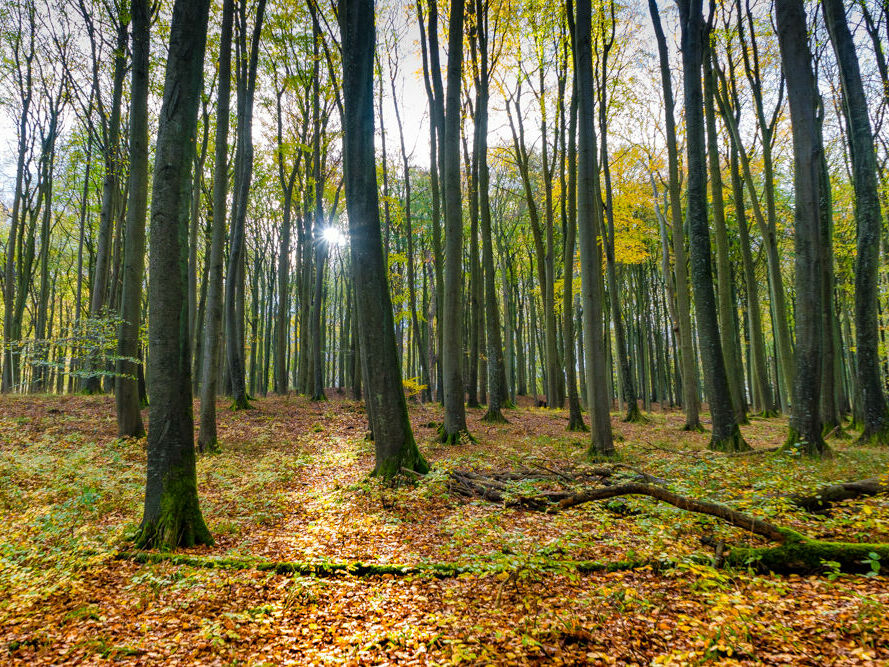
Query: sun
{"points": [[333, 236]]}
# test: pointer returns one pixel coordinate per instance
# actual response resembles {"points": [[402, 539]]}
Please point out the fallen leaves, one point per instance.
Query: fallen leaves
{"points": [[292, 484]]}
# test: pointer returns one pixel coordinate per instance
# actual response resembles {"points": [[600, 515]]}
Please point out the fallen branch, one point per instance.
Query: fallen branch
{"points": [[834, 493], [795, 552], [734, 517]]}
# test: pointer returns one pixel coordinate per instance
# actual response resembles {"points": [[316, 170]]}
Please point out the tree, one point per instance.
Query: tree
{"points": [[207, 438], [246, 66], [126, 389], [689, 374], [874, 411], [588, 223], [726, 436], [387, 408], [802, 94], [172, 515], [452, 325], [494, 352]]}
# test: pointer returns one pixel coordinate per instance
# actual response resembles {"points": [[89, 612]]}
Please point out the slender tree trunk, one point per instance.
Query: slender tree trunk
{"points": [[588, 222], [234, 290], [575, 417], [110, 187], [726, 305], [726, 435], [452, 355], [690, 401], [874, 411], [207, 437], [129, 417]]}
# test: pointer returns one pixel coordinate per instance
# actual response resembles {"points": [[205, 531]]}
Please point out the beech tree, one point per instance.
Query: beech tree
{"points": [[172, 516], [387, 409]]}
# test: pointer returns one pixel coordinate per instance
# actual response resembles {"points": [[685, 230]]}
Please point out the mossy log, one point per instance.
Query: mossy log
{"points": [[826, 496], [359, 569]]}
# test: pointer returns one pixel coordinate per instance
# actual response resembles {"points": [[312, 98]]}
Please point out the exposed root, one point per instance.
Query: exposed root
{"points": [[494, 416], [454, 438]]}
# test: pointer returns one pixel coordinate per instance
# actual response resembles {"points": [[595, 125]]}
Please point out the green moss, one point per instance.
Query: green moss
{"points": [[453, 438], [494, 417], [578, 425], [634, 415], [241, 403], [801, 555], [734, 443], [359, 569], [797, 444], [179, 522], [874, 437]]}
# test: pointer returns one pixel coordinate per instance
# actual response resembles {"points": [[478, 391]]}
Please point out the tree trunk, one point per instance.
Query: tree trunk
{"points": [[805, 421], [874, 411], [387, 408], [172, 515], [725, 435], [207, 438], [589, 224], [129, 417], [690, 401], [234, 277], [452, 354]]}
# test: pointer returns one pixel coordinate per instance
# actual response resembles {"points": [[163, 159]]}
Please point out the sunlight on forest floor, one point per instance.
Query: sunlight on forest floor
{"points": [[291, 484]]}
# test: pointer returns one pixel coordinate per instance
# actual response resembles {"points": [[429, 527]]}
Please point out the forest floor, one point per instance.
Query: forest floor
{"points": [[292, 484]]}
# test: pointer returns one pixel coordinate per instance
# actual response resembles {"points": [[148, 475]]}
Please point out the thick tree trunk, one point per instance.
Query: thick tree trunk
{"points": [[874, 411], [805, 421], [129, 417], [387, 408], [172, 515]]}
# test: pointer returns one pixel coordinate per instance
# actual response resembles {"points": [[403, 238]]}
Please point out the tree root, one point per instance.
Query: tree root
{"points": [[494, 417]]}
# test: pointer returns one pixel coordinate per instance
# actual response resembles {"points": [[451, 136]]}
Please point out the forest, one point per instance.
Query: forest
{"points": [[470, 332]]}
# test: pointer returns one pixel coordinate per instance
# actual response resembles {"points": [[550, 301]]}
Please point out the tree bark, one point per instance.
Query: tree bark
{"points": [[589, 224], [172, 514], [129, 417], [207, 437], [452, 346], [393, 440], [874, 410], [805, 421], [725, 435], [690, 402]]}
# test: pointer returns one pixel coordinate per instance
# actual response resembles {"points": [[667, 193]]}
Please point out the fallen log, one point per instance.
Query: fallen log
{"points": [[826, 496], [795, 553]]}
